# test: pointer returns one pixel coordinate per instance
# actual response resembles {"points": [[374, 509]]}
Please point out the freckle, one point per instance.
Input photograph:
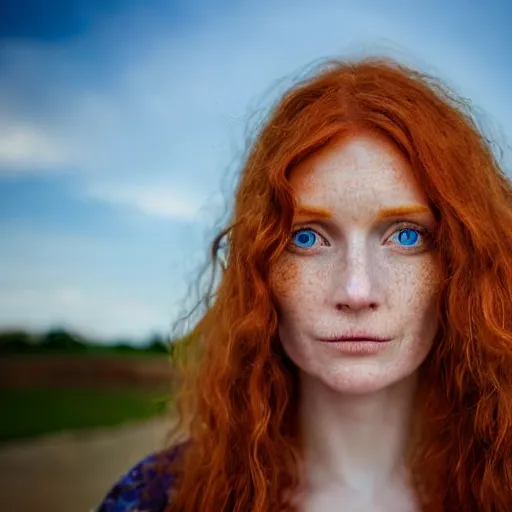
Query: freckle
{"points": [[283, 278]]}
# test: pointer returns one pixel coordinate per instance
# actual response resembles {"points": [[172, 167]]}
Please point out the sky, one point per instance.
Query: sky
{"points": [[123, 125]]}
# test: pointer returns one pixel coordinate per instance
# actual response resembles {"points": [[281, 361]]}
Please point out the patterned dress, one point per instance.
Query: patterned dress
{"points": [[145, 488]]}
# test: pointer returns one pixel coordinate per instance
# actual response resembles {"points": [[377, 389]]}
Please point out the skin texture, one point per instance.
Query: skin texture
{"points": [[354, 273]]}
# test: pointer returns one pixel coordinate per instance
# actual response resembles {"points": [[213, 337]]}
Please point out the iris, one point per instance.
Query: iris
{"points": [[304, 238], [408, 236]]}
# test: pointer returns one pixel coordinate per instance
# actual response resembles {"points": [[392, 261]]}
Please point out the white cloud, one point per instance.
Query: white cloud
{"points": [[27, 147], [166, 201]]}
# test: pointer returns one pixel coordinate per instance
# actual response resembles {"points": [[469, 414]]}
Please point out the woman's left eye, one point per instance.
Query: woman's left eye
{"points": [[408, 237]]}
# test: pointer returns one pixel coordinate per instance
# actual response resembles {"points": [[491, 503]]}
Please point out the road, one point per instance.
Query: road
{"points": [[71, 472]]}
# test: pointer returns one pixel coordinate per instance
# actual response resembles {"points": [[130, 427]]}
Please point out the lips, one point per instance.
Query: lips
{"points": [[355, 337]]}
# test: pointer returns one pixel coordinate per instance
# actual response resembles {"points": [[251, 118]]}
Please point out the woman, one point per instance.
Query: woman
{"points": [[358, 353]]}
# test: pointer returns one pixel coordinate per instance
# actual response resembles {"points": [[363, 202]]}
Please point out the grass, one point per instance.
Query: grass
{"points": [[33, 412]]}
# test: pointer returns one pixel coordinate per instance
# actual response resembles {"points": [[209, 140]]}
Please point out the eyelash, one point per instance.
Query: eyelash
{"points": [[424, 232]]}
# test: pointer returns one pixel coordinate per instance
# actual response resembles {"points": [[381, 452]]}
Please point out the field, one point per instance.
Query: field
{"points": [[99, 416], [50, 394], [33, 412]]}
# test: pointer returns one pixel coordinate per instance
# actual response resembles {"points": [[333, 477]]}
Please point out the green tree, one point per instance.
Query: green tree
{"points": [[158, 345], [59, 340], [16, 342]]}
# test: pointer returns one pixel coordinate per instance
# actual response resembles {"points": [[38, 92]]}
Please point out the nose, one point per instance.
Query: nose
{"points": [[355, 285]]}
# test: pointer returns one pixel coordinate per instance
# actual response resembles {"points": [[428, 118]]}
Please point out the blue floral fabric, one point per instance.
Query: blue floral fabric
{"points": [[145, 488]]}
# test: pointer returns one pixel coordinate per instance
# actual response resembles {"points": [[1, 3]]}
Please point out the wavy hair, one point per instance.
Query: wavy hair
{"points": [[238, 399]]}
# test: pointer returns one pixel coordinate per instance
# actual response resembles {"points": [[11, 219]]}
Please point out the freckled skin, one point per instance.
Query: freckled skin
{"points": [[283, 279], [357, 279]]}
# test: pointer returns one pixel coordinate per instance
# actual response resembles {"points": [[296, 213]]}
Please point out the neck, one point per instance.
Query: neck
{"points": [[357, 442]]}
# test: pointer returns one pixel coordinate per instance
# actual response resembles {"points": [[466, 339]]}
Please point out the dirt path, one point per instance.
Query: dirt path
{"points": [[72, 472]]}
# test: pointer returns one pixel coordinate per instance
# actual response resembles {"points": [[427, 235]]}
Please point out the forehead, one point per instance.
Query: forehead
{"points": [[363, 172]]}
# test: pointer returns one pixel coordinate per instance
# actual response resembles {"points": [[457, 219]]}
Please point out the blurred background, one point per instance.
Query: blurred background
{"points": [[122, 128]]}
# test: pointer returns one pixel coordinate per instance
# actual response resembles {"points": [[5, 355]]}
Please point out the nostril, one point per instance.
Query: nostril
{"points": [[341, 307]]}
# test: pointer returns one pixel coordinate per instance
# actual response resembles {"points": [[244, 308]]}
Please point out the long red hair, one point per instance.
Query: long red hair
{"points": [[238, 401]]}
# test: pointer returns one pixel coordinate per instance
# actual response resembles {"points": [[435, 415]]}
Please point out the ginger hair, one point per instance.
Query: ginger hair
{"points": [[238, 399]]}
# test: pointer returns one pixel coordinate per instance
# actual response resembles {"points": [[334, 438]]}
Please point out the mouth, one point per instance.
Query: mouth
{"points": [[355, 338]]}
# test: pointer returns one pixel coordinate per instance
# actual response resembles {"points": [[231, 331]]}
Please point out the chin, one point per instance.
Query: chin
{"points": [[363, 388], [360, 381]]}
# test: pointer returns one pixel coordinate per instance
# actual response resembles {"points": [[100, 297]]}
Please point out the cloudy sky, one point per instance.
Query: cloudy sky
{"points": [[122, 123]]}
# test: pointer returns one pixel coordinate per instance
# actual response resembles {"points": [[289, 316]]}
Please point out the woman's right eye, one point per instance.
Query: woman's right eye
{"points": [[304, 238]]}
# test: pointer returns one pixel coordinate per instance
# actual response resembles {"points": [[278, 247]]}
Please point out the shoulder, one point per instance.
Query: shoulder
{"points": [[145, 488]]}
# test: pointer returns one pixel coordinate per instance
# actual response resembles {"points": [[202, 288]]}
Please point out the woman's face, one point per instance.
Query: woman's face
{"points": [[359, 265]]}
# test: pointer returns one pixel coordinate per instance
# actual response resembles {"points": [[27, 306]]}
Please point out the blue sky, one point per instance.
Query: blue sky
{"points": [[122, 123]]}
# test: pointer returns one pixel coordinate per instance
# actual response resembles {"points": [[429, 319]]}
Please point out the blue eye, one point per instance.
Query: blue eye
{"points": [[408, 237], [304, 238]]}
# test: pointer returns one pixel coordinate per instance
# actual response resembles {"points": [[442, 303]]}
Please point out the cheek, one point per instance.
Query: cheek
{"points": [[428, 282], [297, 287], [283, 279], [417, 290]]}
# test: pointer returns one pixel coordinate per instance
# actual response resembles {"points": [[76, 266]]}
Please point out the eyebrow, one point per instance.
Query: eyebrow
{"points": [[313, 211], [399, 211]]}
